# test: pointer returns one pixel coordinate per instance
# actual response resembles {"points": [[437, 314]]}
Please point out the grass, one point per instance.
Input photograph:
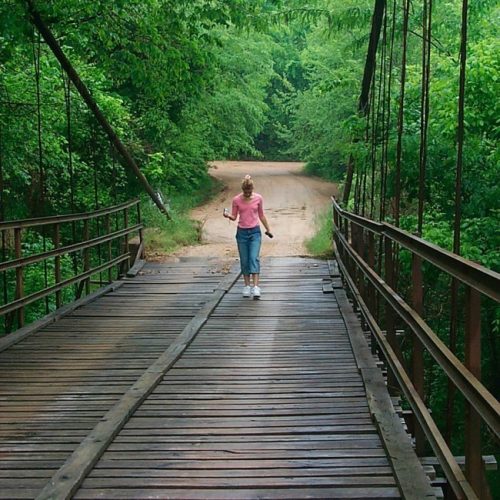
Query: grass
{"points": [[320, 245], [164, 236]]}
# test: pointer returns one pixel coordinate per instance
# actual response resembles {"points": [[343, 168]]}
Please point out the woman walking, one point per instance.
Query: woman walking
{"points": [[249, 207]]}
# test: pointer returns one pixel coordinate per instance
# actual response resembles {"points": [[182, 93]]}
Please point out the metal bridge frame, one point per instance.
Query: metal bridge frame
{"points": [[104, 236], [355, 249]]}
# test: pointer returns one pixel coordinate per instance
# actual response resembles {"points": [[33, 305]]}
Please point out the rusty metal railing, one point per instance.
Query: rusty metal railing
{"points": [[367, 252], [103, 244]]}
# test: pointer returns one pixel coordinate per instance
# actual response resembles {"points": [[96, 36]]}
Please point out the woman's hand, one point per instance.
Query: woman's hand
{"points": [[227, 215]]}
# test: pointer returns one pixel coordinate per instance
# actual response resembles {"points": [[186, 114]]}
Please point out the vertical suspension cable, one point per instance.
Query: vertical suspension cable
{"points": [[375, 131], [361, 174], [2, 218], [93, 155], [389, 101], [399, 145], [458, 210], [384, 127], [36, 63], [69, 141], [67, 101], [460, 132], [357, 192], [37, 48], [369, 112], [424, 107]]}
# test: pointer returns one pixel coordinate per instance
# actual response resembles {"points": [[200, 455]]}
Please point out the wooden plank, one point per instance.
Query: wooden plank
{"points": [[333, 268], [269, 396], [242, 494], [238, 482], [281, 396], [68, 478], [20, 334], [489, 461], [411, 478]]}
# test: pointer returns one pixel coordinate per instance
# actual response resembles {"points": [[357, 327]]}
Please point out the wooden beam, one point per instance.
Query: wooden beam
{"points": [[411, 478]]}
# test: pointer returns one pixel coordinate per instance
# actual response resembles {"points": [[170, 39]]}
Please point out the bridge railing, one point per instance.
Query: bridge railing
{"points": [[367, 253], [75, 249]]}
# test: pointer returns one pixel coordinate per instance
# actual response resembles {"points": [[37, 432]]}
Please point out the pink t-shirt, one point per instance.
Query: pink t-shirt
{"points": [[249, 211]]}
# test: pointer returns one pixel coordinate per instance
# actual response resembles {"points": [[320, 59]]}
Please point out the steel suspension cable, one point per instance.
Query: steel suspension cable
{"points": [[357, 192], [424, 108], [400, 127], [93, 155], [365, 164], [375, 118], [2, 218], [36, 44], [460, 131], [360, 194], [458, 208], [389, 114], [69, 141], [37, 48], [384, 126]]}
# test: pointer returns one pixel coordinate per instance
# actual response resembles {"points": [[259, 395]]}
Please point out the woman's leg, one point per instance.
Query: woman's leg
{"points": [[253, 256], [243, 250]]}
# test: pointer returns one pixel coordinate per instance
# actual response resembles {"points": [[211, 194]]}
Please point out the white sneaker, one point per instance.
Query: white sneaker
{"points": [[256, 292], [247, 291]]}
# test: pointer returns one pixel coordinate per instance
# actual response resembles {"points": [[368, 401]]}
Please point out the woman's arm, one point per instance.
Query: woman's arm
{"points": [[264, 221], [262, 217], [234, 210]]}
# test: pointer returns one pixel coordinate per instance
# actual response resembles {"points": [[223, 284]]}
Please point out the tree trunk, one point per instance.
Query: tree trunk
{"points": [[363, 103]]}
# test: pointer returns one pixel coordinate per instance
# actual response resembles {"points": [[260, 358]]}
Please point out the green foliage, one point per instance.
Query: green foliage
{"points": [[187, 81], [181, 82], [320, 245], [162, 235], [324, 113]]}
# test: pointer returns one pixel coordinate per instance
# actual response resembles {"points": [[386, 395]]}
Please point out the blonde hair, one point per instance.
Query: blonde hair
{"points": [[247, 182]]}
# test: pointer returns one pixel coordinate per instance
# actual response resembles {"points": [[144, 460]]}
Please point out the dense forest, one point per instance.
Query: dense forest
{"points": [[186, 82]]}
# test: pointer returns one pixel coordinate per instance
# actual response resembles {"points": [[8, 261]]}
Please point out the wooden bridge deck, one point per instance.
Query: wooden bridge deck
{"points": [[268, 401]]}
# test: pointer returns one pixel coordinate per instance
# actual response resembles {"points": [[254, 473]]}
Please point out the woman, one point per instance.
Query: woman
{"points": [[249, 207]]}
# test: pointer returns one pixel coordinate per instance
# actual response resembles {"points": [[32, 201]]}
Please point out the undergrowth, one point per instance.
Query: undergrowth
{"points": [[165, 236], [320, 245]]}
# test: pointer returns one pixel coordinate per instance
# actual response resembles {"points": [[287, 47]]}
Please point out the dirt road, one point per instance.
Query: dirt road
{"points": [[291, 203]]}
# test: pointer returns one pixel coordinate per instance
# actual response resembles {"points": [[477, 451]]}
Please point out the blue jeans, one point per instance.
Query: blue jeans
{"points": [[249, 248]]}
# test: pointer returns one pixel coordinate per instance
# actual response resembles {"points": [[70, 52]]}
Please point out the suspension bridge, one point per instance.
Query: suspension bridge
{"points": [[162, 381]]}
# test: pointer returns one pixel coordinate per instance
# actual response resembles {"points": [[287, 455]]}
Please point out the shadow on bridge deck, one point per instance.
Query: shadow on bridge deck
{"points": [[272, 398]]}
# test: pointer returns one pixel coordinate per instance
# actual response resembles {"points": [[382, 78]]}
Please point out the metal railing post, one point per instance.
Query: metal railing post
{"points": [[57, 264], [86, 254], [141, 235], [110, 245], [417, 297], [389, 313], [473, 459], [19, 276], [126, 264], [371, 299]]}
